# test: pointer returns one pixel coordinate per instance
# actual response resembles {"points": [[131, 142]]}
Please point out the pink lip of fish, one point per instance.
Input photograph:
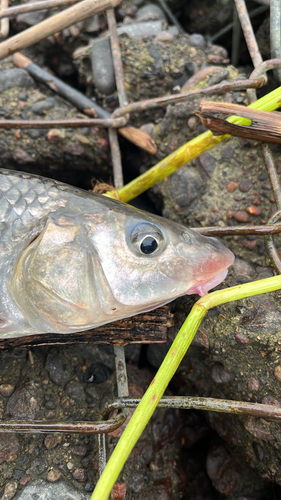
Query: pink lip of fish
{"points": [[71, 260]]}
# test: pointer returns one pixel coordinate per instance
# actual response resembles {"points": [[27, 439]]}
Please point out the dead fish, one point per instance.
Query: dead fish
{"points": [[71, 260]]}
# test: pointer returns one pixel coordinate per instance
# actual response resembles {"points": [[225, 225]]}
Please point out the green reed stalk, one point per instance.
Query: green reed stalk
{"points": [[151, 398], [188, 152]]}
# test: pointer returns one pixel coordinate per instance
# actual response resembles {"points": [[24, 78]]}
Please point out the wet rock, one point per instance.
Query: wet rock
{"points": [[150, 12], [75, 389], [9, 447], [102, 65], [38, 466], [49, 491], [59, 369], [25, 403], [16, 77], [41, 107], [197, 40]]}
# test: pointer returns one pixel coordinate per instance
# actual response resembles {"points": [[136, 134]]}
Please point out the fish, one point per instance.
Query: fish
{"points": [[71, 260]]}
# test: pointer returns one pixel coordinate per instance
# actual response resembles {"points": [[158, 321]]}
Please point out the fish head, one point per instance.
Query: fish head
{"points": [[148, 260]]}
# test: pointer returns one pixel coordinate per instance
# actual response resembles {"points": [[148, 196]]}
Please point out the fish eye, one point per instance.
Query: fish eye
{"points": [[146, 239]]}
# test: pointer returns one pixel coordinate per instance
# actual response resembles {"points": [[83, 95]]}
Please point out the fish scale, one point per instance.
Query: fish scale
{"points": [[71, 260]]}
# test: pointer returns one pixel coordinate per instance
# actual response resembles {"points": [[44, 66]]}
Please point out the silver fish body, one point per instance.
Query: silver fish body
{"points": [[71, 260]]}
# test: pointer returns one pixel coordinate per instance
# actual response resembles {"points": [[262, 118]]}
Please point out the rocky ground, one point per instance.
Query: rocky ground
{"points": [[236, 353]]}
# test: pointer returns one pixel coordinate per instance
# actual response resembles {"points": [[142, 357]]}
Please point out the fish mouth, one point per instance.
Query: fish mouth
{"points": [[203, 287]]}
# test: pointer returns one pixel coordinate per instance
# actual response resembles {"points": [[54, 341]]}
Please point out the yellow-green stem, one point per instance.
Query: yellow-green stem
{"points": [[145, 409], [188, 152]]}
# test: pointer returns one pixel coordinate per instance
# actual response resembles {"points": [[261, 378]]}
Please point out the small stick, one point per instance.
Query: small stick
{"points": [[32, 7], [237, 230], [54, 24], [90, 108], [4, 23]]}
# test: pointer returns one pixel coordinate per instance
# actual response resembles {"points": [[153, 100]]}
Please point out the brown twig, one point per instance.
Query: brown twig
{"points": [[264, 126], [54, 24], [238, 230]]}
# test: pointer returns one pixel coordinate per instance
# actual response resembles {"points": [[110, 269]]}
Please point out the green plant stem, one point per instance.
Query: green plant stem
{"points": [[188, 152], [148, 404]]}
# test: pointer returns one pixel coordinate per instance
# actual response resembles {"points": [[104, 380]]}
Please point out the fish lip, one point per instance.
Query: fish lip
{"points": [[203, 287]]}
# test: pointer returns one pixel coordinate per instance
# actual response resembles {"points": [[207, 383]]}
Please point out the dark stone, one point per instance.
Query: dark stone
{"points": [[157, 58], [245, 185], [197, 40], [102, 65], [207, 165], [75, 390], [38, 466], [40, 107], [18, 474], [15, 77], [184, 186], [227, 152], [58, 368], [25, 403], [218, 77], [97, 374]]}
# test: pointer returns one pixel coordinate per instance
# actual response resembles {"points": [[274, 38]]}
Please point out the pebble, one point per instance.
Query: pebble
{"points": [[81, 475], [150, 12], [165, 36], [277, 373], [52, 441], [102, 65], [231, 187], [118, 491], [253, 210], [253, 384], [197, 40], [6, 390], [75, 389], [9, 491], [58, 368], [245, 185], [16, 77], [53, 475], [241, 216], [9, 447], [40, 107], [184, 186], [38, 466], [55, 135], [218, 77], [47, 491]]}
